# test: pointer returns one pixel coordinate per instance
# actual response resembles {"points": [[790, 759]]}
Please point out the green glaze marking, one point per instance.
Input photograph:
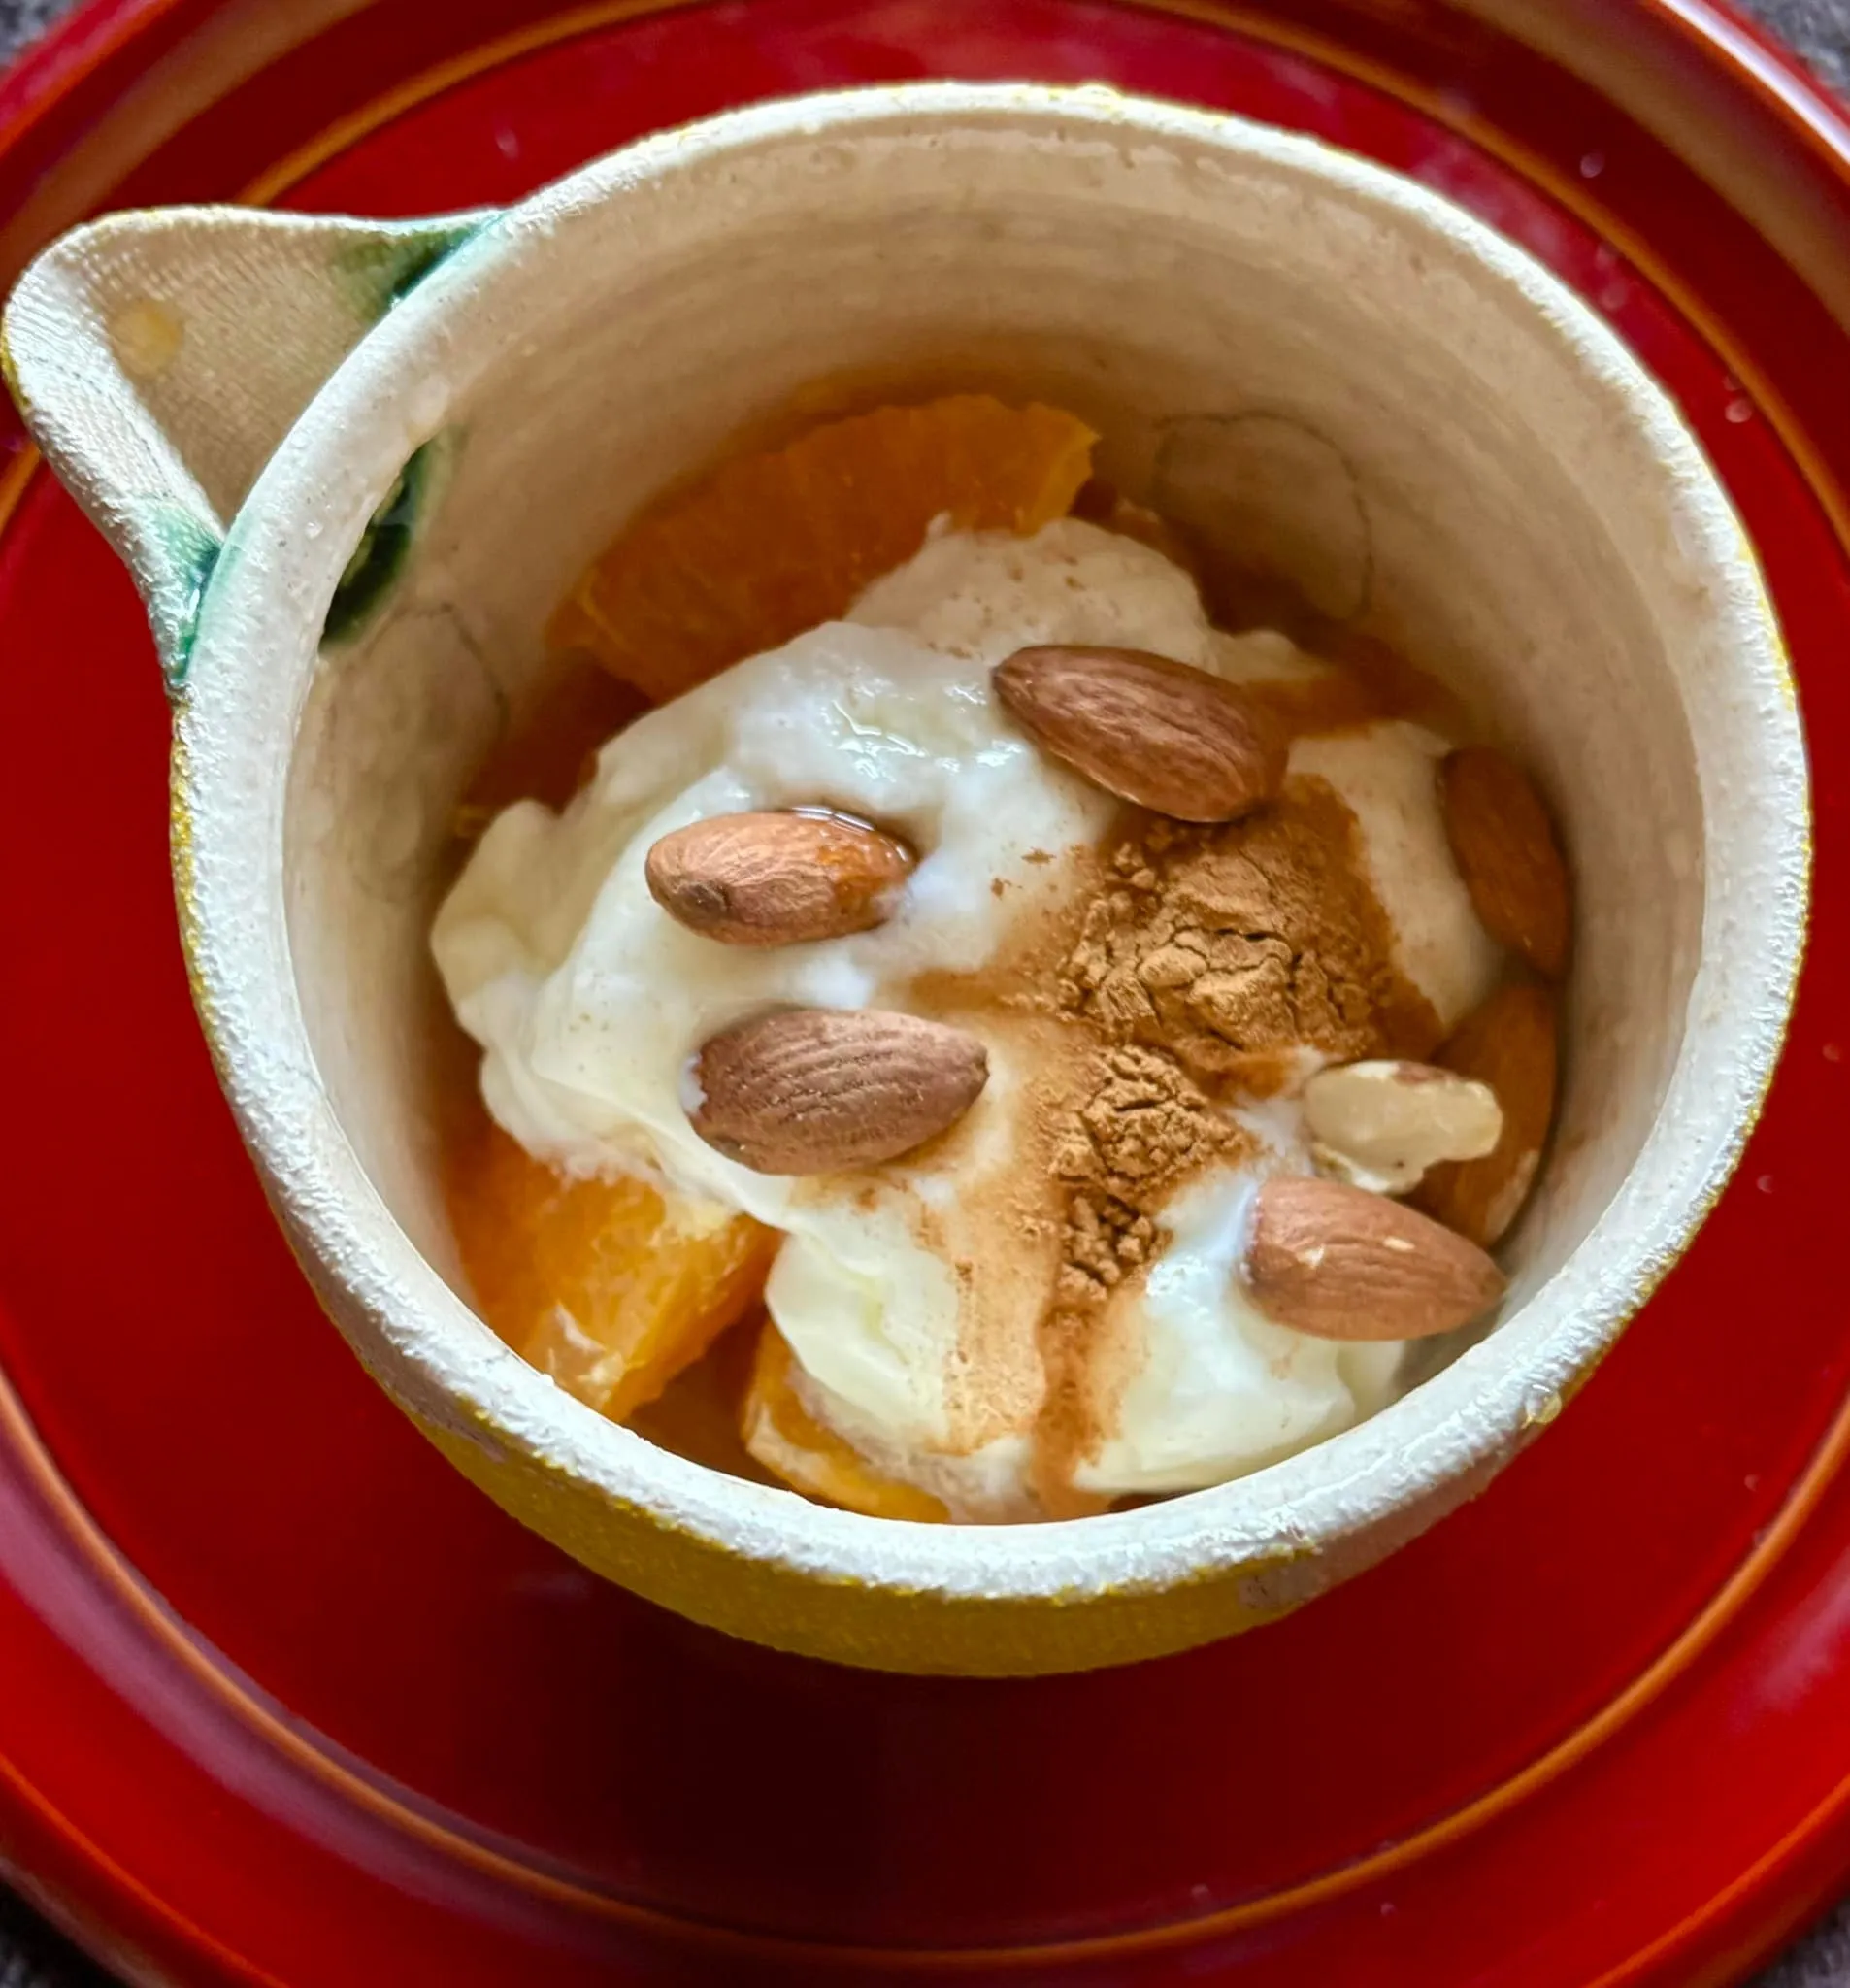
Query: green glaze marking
{"points": [[188, 551], [380, 556], [381, 270], [417, 263]]}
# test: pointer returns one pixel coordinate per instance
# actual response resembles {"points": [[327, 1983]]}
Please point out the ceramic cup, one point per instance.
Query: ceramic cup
{"points": [[354, 466]]}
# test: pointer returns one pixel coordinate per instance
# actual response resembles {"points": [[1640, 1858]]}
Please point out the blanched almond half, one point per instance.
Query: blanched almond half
{"points": [[1504, 843], [1147, 729], [1346, 1263], [1381, 1124], [817, 1090], [1508, 1044], [776, 878]]}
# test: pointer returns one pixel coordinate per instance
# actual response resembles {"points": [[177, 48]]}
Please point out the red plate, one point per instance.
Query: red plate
{"points": [[282, 1700]]}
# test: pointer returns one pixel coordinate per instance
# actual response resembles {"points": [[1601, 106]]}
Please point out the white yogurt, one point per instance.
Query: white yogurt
{"points": [[1221, 1390], [589, 1002], [1388, 778]]}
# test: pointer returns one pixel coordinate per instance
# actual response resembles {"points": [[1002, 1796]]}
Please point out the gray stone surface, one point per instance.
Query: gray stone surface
{"points": [[1819, 29], [33, 1956], [19, 22]]}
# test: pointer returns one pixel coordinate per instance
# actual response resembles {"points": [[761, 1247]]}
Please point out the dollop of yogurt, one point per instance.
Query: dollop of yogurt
{"points": [[912, 1295]]}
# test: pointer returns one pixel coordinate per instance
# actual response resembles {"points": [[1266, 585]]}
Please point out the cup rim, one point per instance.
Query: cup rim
{"points": [[1443, 1436]]}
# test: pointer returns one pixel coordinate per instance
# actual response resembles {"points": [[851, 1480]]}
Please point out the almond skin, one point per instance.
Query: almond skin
{"points": [[816, 1090], [776, 878], [1508, 1042], [1346, 1263], [1504, 843], [1147, 729]]}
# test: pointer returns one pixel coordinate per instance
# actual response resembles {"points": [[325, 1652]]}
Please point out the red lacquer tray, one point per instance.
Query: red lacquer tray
{"points": [[284, 1701]]}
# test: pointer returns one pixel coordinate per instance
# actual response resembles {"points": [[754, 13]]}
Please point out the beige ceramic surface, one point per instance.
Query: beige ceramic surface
{"points": [[1290, 349]]}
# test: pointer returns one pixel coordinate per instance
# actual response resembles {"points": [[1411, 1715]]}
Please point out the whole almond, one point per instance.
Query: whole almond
{"points": [[1508, 1044], [816, 1090], [1504, 843], [1147, 729], [1346, 1263], [776, 878]]}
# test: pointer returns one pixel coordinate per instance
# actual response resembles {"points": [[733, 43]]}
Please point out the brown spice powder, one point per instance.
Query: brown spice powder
{"points": [[1207, 960], [1230, 948], [1132, 1127]]}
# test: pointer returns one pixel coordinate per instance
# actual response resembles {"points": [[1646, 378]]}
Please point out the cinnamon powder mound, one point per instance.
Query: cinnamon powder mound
{"points": [[1143, 1127], [1232, 947], [1134, 1126], [1185, 973], [1207, 959]]}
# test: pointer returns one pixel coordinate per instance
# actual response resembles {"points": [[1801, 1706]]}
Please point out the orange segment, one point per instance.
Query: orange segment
{"points": [[769, 545], [607, 1285], [696, 1414], [786, 1439]]}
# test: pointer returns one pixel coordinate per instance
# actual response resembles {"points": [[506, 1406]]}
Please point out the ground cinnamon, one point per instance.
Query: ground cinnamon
{"points": [[1208, 961]]}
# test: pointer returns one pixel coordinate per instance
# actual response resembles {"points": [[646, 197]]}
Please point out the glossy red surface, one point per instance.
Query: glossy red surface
{"points": [[282, 1700]]}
